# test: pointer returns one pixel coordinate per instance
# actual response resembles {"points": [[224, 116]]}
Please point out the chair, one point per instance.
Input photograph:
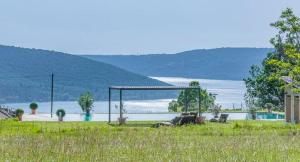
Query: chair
{"points": [[185, 118], [223, 118], [188, 118]]}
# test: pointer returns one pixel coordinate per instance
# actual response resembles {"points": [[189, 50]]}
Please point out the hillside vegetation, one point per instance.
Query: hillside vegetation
{"points": [[221, 63], [26, 76]]}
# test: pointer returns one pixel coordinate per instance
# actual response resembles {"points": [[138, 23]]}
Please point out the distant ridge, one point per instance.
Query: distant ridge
{"points": [[25, 76], [220, 63]]}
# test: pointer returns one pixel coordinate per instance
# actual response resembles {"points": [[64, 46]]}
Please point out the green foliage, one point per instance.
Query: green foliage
{"points": [[86, 102], [174, 106], [191, 97], [19, 112], [33, 106], [61, 112], [265, 85]]}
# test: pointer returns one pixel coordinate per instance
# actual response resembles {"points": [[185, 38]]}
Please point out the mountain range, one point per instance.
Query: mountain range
{"points": [[25, 76], [220, 63]]}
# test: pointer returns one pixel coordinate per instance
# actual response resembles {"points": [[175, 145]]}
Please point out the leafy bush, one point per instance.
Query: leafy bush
{"points": [[33, 106], [86, 102], [19, 112], [61, 112]]}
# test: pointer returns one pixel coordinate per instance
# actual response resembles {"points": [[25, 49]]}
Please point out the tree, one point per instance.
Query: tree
{"points": [[191, 97], [174, 106], [265, 84]]}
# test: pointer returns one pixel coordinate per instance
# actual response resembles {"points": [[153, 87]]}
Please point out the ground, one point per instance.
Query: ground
{"points": [[98, 141]]}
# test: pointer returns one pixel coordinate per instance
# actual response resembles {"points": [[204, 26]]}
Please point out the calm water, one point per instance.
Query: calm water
{"points": [[229, 93]]}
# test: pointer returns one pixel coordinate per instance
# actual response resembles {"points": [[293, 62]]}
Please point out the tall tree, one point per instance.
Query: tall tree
{"points": [[265, 84]]}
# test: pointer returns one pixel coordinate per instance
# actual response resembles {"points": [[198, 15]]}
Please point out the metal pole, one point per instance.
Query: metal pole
{"points": [[121, 106], [185, 101], [52, 93], [109, 105], [199, 101]]}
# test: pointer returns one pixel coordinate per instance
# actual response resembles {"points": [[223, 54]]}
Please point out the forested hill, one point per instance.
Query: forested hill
{"points": [[221, 63], [25, 76]]}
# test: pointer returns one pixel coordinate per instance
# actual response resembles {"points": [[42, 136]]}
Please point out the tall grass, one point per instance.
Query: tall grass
{"points": [[95, 141]]}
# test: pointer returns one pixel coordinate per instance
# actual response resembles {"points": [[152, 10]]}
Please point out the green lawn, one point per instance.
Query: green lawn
{"points": [[96, 141]]}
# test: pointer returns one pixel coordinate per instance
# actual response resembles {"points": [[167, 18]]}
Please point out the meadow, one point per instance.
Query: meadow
{"points": [[137, 141]]}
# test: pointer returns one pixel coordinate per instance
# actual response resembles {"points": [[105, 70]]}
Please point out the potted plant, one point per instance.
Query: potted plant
{"points": [[122, 119], [216, 110], [33, 106], [61, 113], [86, 102], [19, 114], [252, 112], [269, 107]]}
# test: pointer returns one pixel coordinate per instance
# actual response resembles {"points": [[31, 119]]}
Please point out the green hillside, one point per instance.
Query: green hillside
{"points": [[220, 63], [25, 75]]}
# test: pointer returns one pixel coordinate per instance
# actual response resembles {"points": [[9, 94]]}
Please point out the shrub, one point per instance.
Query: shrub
{"points": [[61, 112], [86, 102], [19, 112], [33, 106]]}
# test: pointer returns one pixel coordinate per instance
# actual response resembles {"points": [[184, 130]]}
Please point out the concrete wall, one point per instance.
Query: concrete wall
{"points": [[292, 106], [288, 108], [296, 109]]}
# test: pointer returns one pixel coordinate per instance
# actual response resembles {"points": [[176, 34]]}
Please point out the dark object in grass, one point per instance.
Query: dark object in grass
{"points": [[187, 119], [214, 120], [184, 119], [222, 119], [200, 120]]}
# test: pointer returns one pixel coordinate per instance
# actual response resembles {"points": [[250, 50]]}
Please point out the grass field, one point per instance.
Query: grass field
{"points": [[95, 141]]}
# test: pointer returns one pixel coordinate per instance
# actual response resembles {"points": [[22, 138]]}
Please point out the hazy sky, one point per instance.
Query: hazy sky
{"points": [[138, 26]]}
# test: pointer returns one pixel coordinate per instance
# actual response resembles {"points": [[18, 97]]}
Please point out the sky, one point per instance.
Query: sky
{"points": [[139, 26]]}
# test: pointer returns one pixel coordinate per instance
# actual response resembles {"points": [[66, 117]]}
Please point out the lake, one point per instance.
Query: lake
{"points": [[229, 94]]}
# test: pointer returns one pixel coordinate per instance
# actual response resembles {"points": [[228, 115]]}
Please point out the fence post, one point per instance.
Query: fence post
{"points": [[52, 93], [109, 105]]}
